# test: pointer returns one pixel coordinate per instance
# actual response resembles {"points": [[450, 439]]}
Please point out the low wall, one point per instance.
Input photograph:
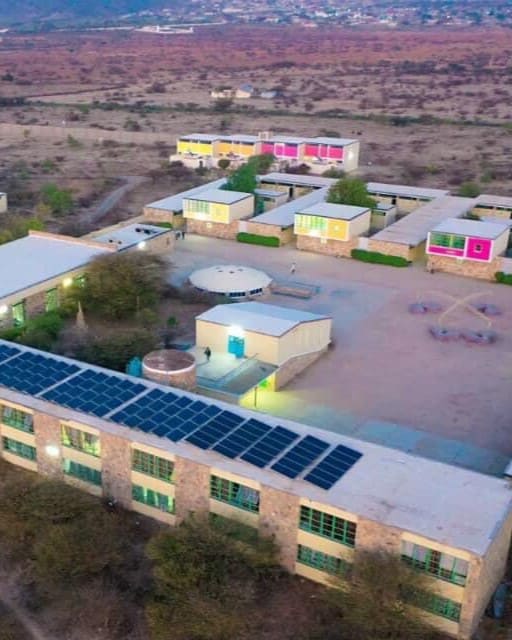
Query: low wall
{"points": [[162, 215], [213, 229], [468, 268], [392, 249], [336, 248], [294, 366], [285, 235]]}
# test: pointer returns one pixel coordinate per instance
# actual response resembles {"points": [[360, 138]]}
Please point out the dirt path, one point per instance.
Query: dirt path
{"points": [[112, 199], [31, 628]]}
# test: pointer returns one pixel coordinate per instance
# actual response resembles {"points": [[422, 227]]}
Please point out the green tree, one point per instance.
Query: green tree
{"points": [[59, 201], [223, 163], [243, 179], [119, 285], [469, 190], [262, 162], [374, 599], [351, 191], [114, 351]]}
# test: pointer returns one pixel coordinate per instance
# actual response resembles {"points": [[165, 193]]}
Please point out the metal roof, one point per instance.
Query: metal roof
{"points": [[284, 216], [132, 234], [330, 210], [239, 138], [473, 228], [494, 201], [229, 279], [413, 228], [200, 137], [175, 202], [385, 485], [221, 196], [405, 190], [333, 142], [259, 317], [295, 179]]}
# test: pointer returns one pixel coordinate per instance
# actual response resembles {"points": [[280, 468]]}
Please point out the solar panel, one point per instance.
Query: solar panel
{"points": [[32, 372], [98, 393], [214, 430], [7, 351], [261, 453], [242, 438], [300, 456], [333, 467]]}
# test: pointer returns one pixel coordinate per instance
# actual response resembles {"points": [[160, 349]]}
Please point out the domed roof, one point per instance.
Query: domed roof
{"points": [[229, 279]]}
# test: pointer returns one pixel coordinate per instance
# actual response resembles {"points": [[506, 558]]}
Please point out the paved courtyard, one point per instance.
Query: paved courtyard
{"points": [[385, 379]]}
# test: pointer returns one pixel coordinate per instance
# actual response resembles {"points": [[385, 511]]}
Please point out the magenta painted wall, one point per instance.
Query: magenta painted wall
{"points": [[268, 147], [445, 251], [336, 153], [291, 151], [311, 150], [479, 249]]}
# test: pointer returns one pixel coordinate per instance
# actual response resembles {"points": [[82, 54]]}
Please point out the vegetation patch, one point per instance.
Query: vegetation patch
{"points": [[379, 258], [503, 278], [254, 238]]}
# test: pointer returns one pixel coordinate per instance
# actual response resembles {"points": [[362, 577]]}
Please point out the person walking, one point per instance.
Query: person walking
{"points": [[292, 268], [208, 354], [183, 231]]}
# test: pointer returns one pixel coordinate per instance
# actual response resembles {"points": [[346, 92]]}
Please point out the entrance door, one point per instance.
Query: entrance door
{"points": [[52, 300], [236, 346]]}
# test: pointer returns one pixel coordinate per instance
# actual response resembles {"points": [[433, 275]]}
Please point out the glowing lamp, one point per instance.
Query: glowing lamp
{"points": [[67, 282], [52, 451], [141, 245], [236, 331], [3, 309]]}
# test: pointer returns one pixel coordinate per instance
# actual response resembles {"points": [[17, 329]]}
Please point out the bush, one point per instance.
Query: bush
{"points": [[254, 238], [503, 278], [60, 201], [379, 258], [115, 351], [223, 163]]}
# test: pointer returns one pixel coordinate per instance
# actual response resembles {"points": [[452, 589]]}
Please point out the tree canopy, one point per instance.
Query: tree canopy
{"points": [[261, 162], [243, 179], [351, 191]]}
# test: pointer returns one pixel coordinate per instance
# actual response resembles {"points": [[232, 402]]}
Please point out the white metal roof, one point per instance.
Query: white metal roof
{"points": [[494, 201], [258, 317], [130, 235], [295, 179], [221, 196], [29, 261], [284, 216], [405, 190], [287, 139], [200, 137], [473, 228], [413, 229], [229, 278], [239, 138], [330, 210], [427, 498], [333, 142], [269, 193], [175, 202]]}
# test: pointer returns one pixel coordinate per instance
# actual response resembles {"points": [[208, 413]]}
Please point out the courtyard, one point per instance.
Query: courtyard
{"points": [[385, 379]]}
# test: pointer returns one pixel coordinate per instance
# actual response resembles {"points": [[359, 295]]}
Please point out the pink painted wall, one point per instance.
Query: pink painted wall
{"points": [[479, 249], [291, 151], [445, 251], [323, 150], [311, 150], [267, 147], [336, 153]]}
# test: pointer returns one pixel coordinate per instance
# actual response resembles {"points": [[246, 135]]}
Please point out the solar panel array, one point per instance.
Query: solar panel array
{"points": [[170, 415]]}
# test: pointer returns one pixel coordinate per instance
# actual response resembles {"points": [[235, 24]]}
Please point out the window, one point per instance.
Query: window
{"points": [[435, 604], [152, 465], [322, 561], [81, 472], [447, 240], [17, 419], [19, 448], [197, 206], [51, 300], [311, 223], [328, 526], [234, 494], [152, 498], [79, 281], [478, 248], [441, 565], [18, 314], [80, 440]]}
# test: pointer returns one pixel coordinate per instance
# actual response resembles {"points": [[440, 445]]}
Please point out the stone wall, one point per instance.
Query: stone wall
{"points": [[47, 433], [336, 248], [36, 304], [285, 235], [162, 215], [213, 229], [185, 379], [468, 268], [192, 488], [391, 249], [116, 466], [294, 366], [279, 518]]}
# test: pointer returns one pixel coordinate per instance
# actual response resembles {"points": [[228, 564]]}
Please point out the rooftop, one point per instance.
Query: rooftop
{"points": [[413, 229], [230, 279], [287, 139], [201, 137], [220, 196], [175, 202], [427, 498], [131, 235], [295, 179], [337, 211], [473, 228], [284, 216], [259, 317], [334, 142], [494, 201], [239, 138], [405, 190], [40, 257]]}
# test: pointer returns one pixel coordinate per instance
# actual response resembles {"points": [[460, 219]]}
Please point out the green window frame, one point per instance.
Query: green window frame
{"points": [[311, 223], [198, 206], [79, 281], [81, 471], [433, 603], [17, 419], [51, 302], [80, 440], [152, 498], [19, 449], [153, 466], [441, 565], [235, 494], [19, 314], [328, 526], [322, 561], [447, 240]]}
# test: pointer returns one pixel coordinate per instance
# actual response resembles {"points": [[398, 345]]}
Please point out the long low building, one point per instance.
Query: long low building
{"points": [[324, 497], [406, 198]]}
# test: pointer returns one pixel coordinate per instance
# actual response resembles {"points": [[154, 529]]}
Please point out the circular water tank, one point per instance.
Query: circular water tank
{"points": [[233, 281], [171, 367]]}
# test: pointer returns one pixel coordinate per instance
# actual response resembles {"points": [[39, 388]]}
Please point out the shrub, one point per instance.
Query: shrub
{"points": [[223, 163], [254, 238], [379, 258], [503, 278]]}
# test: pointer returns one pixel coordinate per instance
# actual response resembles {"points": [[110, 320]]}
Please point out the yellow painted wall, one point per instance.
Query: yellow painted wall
{"points": [[313, 574], [305, 338], [336, 229], [234, 513], [81, 458], [166, 488], [17, 434], [215, 336], [330, 547], [199, 148]]}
